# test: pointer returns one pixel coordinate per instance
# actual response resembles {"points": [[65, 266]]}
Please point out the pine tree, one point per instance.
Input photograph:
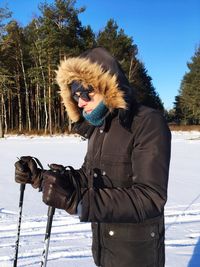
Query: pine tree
{"points": [[178, 114], [62, 35], [145, 91], [122, 47], [118, 43], [4, 77], [5, 13], [15, 62], [189, 94]]}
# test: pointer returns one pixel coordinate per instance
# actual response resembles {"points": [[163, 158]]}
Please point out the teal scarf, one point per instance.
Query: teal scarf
{"points": [[96, 117]]}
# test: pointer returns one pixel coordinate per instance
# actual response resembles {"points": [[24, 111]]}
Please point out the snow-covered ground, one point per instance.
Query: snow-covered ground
{"points": [[70, 243]]}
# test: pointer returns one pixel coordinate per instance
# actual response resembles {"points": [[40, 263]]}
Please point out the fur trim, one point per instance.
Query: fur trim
{"points": [[87, 73]]}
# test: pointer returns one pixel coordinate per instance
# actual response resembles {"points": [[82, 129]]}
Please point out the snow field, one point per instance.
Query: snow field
{"points": [[70, 243]]}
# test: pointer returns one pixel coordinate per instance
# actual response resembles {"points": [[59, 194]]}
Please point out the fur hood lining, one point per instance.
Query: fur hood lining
{"points": [[87, 73]]}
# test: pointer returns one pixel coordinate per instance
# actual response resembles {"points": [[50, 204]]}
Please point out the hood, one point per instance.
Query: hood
{"points": [[96, 68]]}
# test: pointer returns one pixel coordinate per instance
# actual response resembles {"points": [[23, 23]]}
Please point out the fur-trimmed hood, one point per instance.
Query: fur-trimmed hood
{"points": [[97, 68]]}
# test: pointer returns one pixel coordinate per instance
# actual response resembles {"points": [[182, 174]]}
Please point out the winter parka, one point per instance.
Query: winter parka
{"points": [[125, 172]]}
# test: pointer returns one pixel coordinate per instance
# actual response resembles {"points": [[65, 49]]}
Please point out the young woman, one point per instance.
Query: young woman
{"points": [[122, 185]]}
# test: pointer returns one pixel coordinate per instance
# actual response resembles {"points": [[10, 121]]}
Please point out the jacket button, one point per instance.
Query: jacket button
{"points": [[111, 233], [95, 174], [153, 234], [101, 131]]}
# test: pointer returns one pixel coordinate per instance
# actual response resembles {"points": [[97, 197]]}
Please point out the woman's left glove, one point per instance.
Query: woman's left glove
{"points": [[61, 188]]}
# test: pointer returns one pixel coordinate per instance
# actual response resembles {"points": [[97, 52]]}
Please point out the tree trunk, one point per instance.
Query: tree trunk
{"points": [[37, 107], [19, 104], [10, 105], [1, 127], [4, 117], [44, 84], [62, 114], [1, 119], [49, 108], [44, 95], [26, 91], [45, 102], [132, 69], [69, 125]]}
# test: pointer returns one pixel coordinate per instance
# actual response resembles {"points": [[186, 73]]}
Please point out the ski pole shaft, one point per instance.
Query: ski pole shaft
{"points": [[22, 188], [50, 215]]}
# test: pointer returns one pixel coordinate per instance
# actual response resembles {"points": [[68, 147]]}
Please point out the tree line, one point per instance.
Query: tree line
{"points": [[29, 56], [186, 109]]}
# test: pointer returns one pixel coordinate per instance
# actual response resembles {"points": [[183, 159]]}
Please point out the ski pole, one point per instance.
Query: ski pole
{"points": [[22, 188], [50, 214], [51, 211]]}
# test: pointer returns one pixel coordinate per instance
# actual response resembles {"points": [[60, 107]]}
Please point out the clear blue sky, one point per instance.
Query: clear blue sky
{"points": [[167, 32]]}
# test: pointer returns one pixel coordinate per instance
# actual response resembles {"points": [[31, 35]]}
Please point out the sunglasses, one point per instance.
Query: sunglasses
{"points": [[78, 91], [83, 95]]}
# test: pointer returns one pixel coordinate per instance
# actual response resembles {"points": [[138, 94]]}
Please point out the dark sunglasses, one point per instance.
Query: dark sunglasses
{"points": [[83, 95], [79, 91]]}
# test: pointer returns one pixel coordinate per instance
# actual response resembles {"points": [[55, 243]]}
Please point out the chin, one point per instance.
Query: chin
{"points": [[88, 111]]}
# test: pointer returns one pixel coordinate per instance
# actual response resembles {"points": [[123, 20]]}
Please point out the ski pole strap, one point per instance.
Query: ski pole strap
{"points": [[41, 178], [38, 162]]}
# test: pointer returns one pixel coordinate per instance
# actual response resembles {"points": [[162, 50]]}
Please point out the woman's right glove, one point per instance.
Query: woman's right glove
{"points": [[27, 171]]}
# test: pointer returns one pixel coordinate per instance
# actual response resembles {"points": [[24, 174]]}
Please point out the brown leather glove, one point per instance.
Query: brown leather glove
{"points": [[61, 188], [27, 172]]}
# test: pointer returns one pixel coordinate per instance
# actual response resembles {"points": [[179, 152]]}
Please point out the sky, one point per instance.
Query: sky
{"points": [[167, 33]]}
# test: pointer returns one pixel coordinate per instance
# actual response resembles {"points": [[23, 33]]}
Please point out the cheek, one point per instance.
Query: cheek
{"points": [[97, 99], [95, 104]]}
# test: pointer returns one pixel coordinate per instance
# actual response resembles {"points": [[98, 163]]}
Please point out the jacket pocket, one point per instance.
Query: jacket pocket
{"points": [[135, 245], [118, 169]]}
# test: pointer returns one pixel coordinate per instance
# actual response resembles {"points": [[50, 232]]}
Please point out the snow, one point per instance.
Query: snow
{"points": [[70, 243]]}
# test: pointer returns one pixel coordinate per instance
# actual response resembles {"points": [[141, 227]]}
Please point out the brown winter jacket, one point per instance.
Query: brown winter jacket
{"points": [[125, 172]]}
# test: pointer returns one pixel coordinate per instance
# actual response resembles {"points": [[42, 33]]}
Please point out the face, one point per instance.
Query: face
{"points": [[90, 104]]}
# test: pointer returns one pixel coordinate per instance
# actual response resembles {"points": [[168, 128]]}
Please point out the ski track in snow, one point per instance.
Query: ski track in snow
{"points": [[71, 239]]}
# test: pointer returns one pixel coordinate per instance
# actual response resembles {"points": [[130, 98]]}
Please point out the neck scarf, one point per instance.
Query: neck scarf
{"points": [[96, 117]]}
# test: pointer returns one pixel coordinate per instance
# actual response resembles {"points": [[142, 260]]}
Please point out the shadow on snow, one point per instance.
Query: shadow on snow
{"points": [[195, 259]]}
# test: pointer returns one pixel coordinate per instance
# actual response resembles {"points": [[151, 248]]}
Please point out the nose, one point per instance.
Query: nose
{"points": [[81, 103]]}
